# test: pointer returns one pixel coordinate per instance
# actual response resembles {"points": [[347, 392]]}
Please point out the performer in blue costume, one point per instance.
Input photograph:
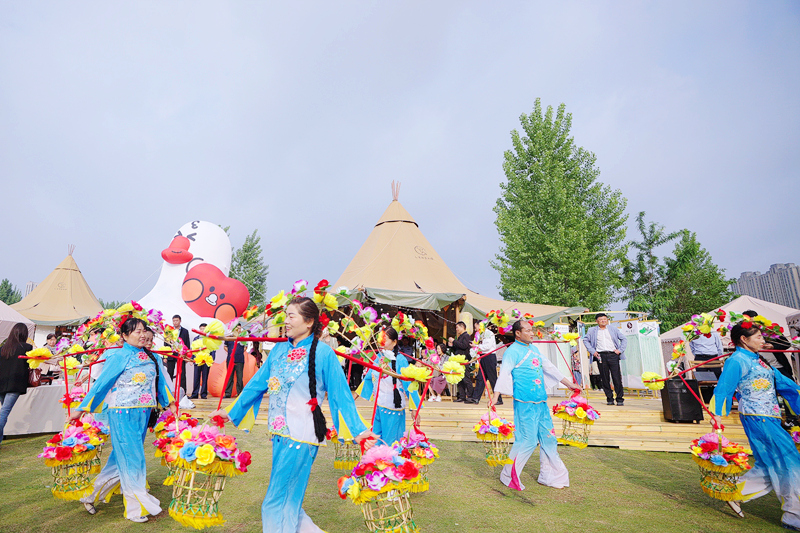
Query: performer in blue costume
{"points": [[522, 375], [777, 461], [390, 416], [293, 374], [128, 389]]}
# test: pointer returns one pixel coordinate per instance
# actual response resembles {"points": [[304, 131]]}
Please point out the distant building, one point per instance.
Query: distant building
{"points": [[780, 284], [29, 288]]}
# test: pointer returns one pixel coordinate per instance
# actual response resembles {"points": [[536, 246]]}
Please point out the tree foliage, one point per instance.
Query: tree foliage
{"points": [[111, 304], [644, 276], [247, 265], [9, 292], [694, 284], [562, 231]]}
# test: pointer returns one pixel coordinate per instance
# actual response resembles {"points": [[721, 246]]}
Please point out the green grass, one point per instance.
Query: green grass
{"points": [[611, 490]]}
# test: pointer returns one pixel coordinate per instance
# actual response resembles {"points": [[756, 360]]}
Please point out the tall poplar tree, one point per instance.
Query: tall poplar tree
{"points": [[247, 265], [562, 230]]}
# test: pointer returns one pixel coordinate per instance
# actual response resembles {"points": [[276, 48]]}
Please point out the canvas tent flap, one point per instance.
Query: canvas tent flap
{"points": [[9, 318], [417, 300], [62, 298], [774, 312]]}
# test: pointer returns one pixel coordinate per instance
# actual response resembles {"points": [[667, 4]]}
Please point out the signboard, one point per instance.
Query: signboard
{"points": [[630, 327], [561, 328]]}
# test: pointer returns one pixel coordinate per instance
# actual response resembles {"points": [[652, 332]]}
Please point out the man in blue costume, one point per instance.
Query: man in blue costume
{"points": [[522, 375]]}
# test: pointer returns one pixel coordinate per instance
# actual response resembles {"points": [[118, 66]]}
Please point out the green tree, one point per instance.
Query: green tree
{"points": [[247, 265], [562, 231], [9, 292], [111, 304], [644, 276], [693, 282]]}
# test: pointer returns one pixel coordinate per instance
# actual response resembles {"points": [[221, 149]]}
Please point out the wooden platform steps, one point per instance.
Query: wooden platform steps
{"points": [[638, 425]]}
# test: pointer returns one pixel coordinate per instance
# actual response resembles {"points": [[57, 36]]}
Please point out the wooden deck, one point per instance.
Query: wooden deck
{"points": [[638, 425]]}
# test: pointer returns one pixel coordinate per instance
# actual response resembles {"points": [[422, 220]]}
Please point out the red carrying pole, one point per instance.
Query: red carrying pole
{"points": [[375, 405], [227, 375]]}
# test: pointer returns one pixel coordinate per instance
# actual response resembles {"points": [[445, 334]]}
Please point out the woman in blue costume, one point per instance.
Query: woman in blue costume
{"points": [[777, 461], [293, 374], [128, 388], [390, 416], [522, 375]]}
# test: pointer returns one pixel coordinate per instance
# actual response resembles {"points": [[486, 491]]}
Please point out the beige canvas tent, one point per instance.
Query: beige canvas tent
{"points": [[9, 318], [397, 265], [62, 298]]}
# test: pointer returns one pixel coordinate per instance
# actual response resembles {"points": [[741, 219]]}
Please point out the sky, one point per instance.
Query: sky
{"points": [[120, 122]]}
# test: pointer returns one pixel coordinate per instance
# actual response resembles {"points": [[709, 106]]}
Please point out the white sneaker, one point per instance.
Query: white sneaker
{"points": [[138, 519]]}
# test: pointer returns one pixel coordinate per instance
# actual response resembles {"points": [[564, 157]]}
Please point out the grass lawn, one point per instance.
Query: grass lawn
{"points": [[611, 490]]}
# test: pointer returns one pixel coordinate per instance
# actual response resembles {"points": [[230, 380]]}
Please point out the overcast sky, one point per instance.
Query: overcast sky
{"points": [[121, 121]]}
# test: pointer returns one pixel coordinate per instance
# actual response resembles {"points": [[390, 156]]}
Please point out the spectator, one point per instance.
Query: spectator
{"points": [[576, 366], [705, 348], [13, 371], [255, 351], [438, 382], [238, 366], [485, 343], [594, 373], [461, 346], [183, 335], [201, 375], [608, 344]]}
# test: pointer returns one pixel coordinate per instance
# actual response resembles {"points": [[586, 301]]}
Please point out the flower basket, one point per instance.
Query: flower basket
{"points": [[577, 419], [415, 445], [199, 459], [74, 455], [380, 484], [389, 512], [346, 454], [346, 451], [165, 430], [497, 435], [721, 462], [195, 498]]}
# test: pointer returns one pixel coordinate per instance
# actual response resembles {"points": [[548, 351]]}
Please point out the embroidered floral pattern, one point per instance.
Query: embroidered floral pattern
{"points": [[297, 354], [537, 381], [776, 410], [278, 423], [146, 399], [762, 363], [273, 385], [761, 384], [535, 362], [139, 377], [143, 356]]}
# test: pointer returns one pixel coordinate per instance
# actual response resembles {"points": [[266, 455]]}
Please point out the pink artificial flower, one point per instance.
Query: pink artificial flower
{"points": [[378, 453], [376, 480]]}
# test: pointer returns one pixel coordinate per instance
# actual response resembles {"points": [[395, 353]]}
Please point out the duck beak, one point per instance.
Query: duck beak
{"points": [[177, 253]]}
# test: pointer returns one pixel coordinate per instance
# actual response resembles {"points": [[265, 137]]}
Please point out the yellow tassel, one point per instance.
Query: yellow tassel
{"points": [[421, 487], [345, 465], [708, 465], [564, 416], [197, 521], [72, 495], [580, 445], [724, 496]]}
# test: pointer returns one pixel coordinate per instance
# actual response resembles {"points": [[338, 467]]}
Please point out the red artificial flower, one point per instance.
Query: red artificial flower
{"points": [[136, 305], [342, 495], [504, 430], [405, 453], [63, 453], [218, 421], [244, 460], [360, 470], [708, 446], [56, 439], [324, 320], [409, 470], [192, 422], [268, 309], [321, 286], [747, 325], [707, 335], [429, 344]]}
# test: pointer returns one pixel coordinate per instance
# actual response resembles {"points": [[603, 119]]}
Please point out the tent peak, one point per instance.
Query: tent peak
{"points": [[395, 190], [70, 249]]}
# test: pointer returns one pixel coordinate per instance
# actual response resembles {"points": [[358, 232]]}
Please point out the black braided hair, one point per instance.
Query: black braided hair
{"points": [[392, 334], [309, 311]]}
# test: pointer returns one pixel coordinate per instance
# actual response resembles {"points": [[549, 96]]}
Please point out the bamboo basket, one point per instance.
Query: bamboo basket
{"points": [[195, 498], [721, 483], [71, 481], [497, 449], [421, 484], [574, 433], [346, 454], [389, 512]]}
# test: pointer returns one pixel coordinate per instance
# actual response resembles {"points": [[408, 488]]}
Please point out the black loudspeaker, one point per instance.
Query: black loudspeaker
{"points": [[679, 403]]}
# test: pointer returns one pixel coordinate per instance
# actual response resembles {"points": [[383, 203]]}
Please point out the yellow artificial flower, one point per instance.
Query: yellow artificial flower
{"points": [[279, 300], [75, 348], [205, 454], [453, 372], [705, 328], [317, 298], [216, 328], [496, 423], [687, 327], [330, 302], [538, 324], [109, 312], [113, 338], [580, 412], [364, 332], [186, 435], [333, 328], [125, 308], [419, 373], [72, 364], [279, 319], [458, 359], [354, 490], [648, 378]]}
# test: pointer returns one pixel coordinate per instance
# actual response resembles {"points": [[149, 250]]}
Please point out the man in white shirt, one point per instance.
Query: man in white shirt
{"points": [[608, 344]]}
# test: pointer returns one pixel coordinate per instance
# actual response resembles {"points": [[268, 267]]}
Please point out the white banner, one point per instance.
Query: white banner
{"points": [[561, 328], [630, 327]]}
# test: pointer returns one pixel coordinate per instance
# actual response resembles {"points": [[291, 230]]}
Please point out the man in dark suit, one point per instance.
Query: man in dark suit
{"points": [[201, 376], [460, 346], [183, 335]]}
